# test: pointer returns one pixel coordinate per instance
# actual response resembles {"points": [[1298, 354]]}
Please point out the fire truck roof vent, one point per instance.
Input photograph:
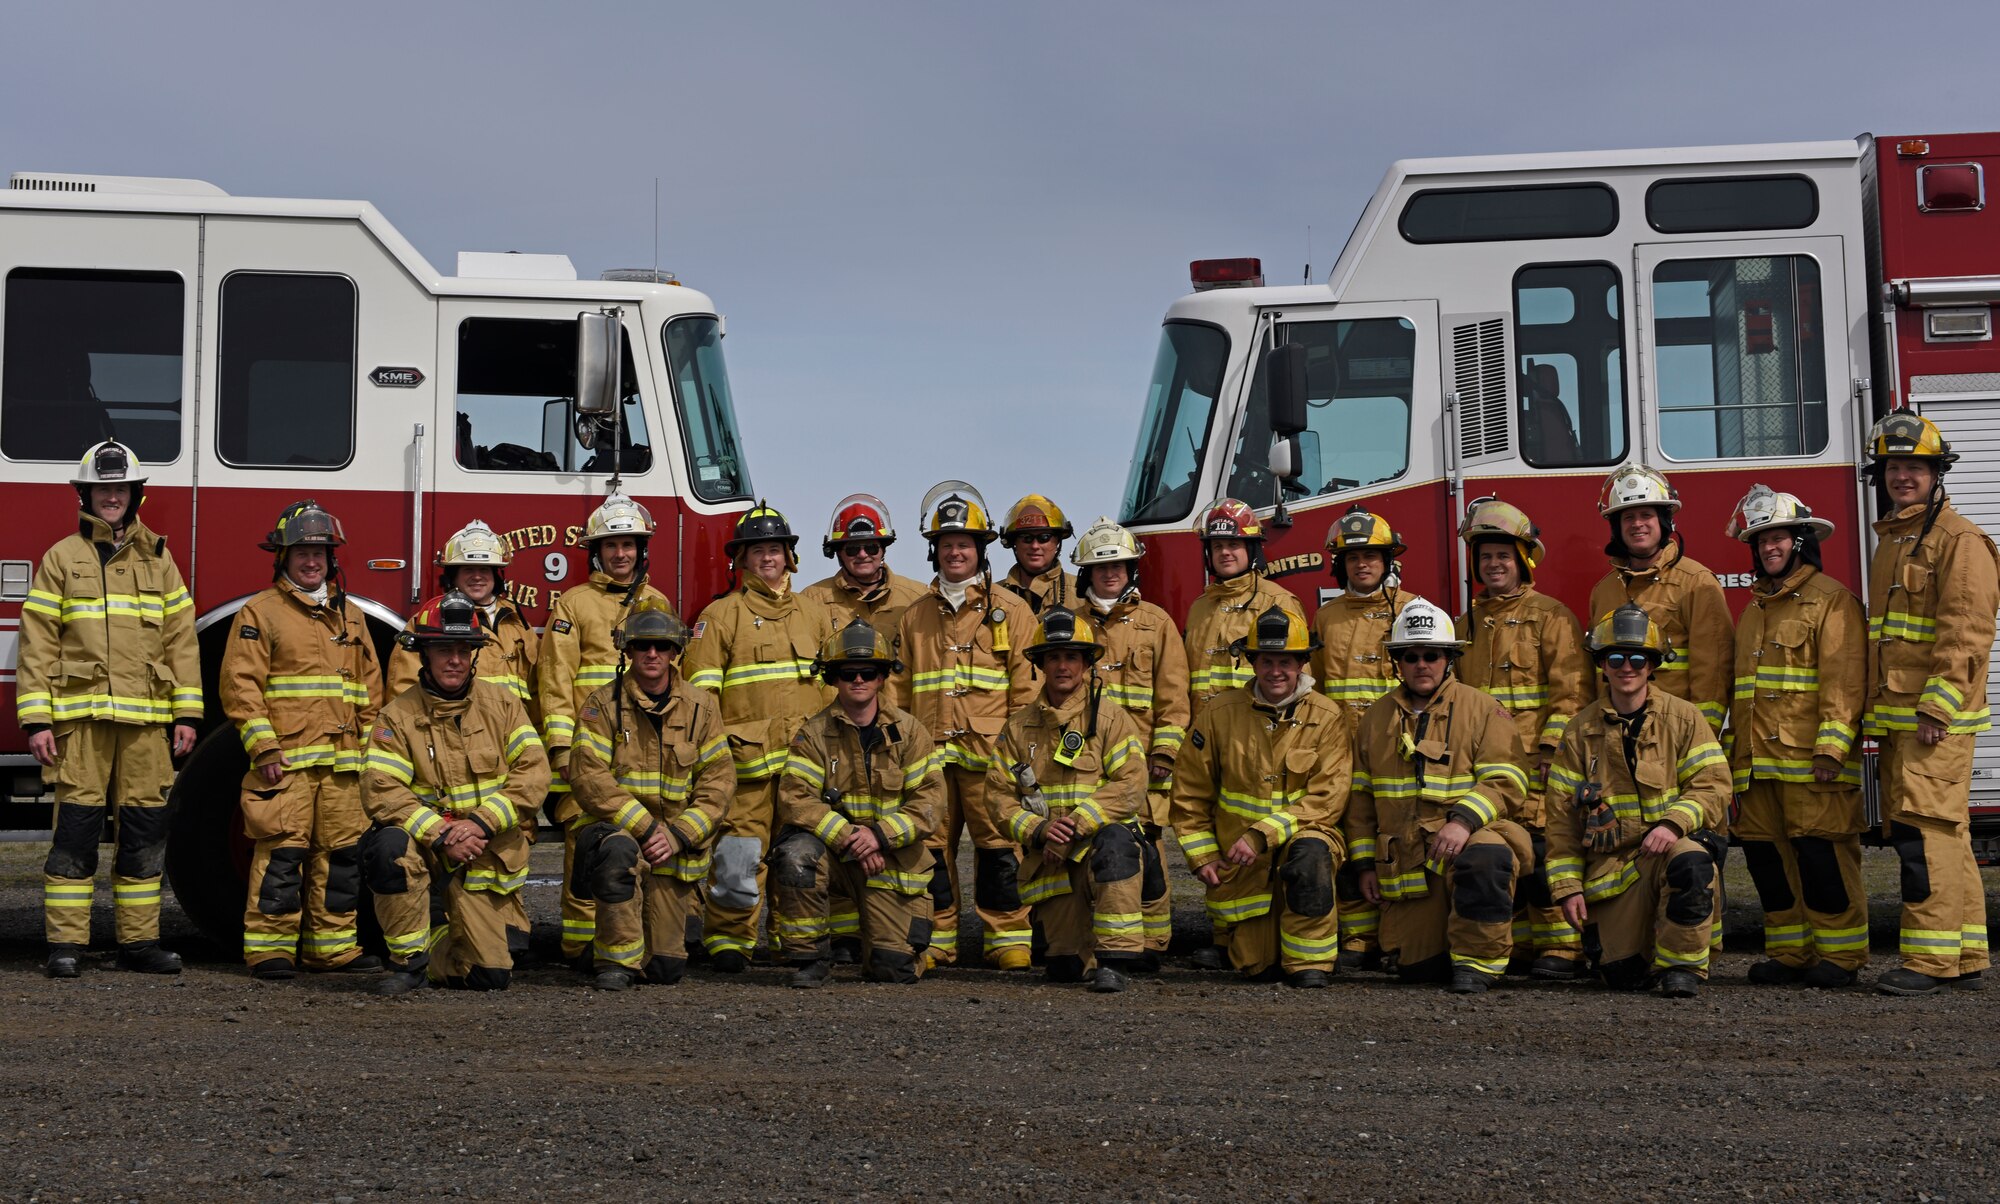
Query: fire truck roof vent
{"points": [[58, 181], [513, 265]]}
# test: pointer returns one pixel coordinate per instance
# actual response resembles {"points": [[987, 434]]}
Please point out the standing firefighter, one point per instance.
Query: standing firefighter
{"points": [[455, 774], [1430, 823], [754, 648], [653, 778], [864, 587], [1526, 650], [1354, 669], [1144, 670], [1034, 532], [1259, 794], [1068, 777], [1932, 593], [578, 657], [108, 692], [474, 563], [301, 682], [1796, 764], [862, 789], [1637, 778], [964, 674]]}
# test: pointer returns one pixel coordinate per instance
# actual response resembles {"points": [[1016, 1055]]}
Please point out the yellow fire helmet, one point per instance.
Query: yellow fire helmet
{"points": [[1360, 529], [1059, 627], [305, 523], [1423, 624], [1636, 485], [956, 508], [1763, 509], [1628, 629], [475, 544], [1034, 513], [1904, 432], [617, 515], [1490, 518], [858, 643], [651, 620], [1276, 630]]}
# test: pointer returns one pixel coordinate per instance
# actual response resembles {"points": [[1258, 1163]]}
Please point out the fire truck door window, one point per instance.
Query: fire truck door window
{"points": [[1569, 346], [707, 412], [1358, 390], [91, 356], [1173, 436], [1739, 356], [515, 412], [285, 379]]}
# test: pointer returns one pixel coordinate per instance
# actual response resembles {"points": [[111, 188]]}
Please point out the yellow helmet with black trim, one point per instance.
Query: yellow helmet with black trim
{"points": [[1489, 518], [1358, 530], [1061, 628], [1031, 515], [305, 524], [1276, 630], [956, 508], [651, 620], [858, 643], [1903, 432], [1628, 629]]}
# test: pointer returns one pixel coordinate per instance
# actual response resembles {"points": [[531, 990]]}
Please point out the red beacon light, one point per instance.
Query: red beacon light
{"points": [[1226, 273], [1951, 188]]}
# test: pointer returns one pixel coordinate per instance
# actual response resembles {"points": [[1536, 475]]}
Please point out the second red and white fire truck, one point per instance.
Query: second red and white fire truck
{"points": [[1521, 324], [256, 351]]}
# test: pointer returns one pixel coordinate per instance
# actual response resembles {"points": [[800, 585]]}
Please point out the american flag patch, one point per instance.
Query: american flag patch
{"points": [[700, 627]]}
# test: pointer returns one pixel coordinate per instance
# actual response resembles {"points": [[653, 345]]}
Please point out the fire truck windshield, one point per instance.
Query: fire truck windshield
{"points": [[707, 412], [1173, 437]]}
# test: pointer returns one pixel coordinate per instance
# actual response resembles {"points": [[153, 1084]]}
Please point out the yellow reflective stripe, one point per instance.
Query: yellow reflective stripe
{"points": [[179, 601], [633, 817], [761, 765], [590, 677], [1137, 698], [1117, 923], [119, 707], [1904, 719], [255, 732], [42, 602], [1252, 808], [831, 828], [916, 771], [1611, 883], [131, 606], [1481, 809], [1235, 911], [1021, 825], [806, 770], [509, 682], [33, 707], [763, 671], [1789, 769], [268, 944], [1714, 712], [1902, 625], [898, 829], [136, 894], [558, 731], [1168, 739], [1361, 848], [597, 744], [59, 893], [1552, 731], [1841, 938], [1708, 752], [1944, 694], [383, 761], [1836, 735], [1359, 923], [1687, 813], [711, 752], [310, 685], [706, 679], [958, 677], [1355, 689], [699, 826], [1197, 844], [497, 881], [1493, 967], [422, 823], [1042, 889], [1564, 780], [1122, 752], [1403, 886], [1501, 771], [1520, 698], [959, 755], [1213, 679], [1668, 959], [890, 879], [518, 741]]}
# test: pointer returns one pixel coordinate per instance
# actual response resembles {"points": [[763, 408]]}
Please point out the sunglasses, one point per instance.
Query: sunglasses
{"points": [[1426, 656], [862, 549], [857, 673], [1619, 660], [1041, 537], [636, 647]]}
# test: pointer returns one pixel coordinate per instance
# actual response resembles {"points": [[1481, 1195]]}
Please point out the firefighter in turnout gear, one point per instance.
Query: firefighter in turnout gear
{"points": [[653, 777], [108, 691], [1067, 782], [754, 649], [1637, 778], [1354, 668], [301, 682], [578, 657], [455, 772], [1932, 594], [1232, 551], [1034, 532], [862, 788], [1144, 670], [474, 562], [1526, 650], [865, 587], [1430, 822], [962, 645], [1260, 790], [1793, 747]]}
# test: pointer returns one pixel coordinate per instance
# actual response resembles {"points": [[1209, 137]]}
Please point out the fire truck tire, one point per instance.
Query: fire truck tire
{"points": [[208, 856]]}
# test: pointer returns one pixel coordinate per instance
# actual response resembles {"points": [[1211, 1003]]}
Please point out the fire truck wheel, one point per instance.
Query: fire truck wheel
{"points": [[208, 856]]}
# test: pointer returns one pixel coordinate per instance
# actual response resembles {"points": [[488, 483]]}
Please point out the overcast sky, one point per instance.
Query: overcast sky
{"points": [[943, 234]]}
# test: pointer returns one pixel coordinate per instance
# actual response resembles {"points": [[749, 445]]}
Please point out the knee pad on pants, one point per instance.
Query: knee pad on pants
{"points": [[73, 848], [1114, 854], [1767, 870], [1909, 846], [611, 871], [889, 965], [1819, 874], [583, 859], [381, 860], [1482, 884], [795, 859], [279, 895], [1347, 884], [142, 841], [1308, 877], [735, 883], [1690, 887], [1153, 883], [343, 878], [1716, 844], [920, 934], [487, 978], [996, 885], [942, 899]]}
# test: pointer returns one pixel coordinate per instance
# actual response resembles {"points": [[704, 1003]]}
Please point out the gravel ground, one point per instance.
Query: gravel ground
{"points": [[978, 1085]]}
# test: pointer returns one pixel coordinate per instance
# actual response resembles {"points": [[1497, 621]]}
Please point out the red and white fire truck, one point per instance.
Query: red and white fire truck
{"points": [[256, 351], [1520, 324]]}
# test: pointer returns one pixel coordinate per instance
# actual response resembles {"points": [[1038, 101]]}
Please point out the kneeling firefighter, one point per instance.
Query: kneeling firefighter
{"points": [[652, 774], [1068, 779], [861, 792], [455, 774]]}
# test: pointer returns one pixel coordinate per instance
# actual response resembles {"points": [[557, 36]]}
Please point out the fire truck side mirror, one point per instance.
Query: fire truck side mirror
{"points": [[597, 348], [1285, 370]]}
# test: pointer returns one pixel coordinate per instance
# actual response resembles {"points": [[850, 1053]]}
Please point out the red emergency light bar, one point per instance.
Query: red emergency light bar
{"points": [[1226, 273]]}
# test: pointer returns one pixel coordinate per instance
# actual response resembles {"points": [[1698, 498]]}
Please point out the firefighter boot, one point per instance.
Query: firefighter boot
{"points": [[1554, 967], [808, 973], [405, 980], [1307, 980], [1825, 975], [1467, 981], [64, 961], [1110, 975], [146, 957], [1678, 984], [1209, 957], [1975, 981], [614, 978], [846, 950], [1909, 983], [1773, 973]]}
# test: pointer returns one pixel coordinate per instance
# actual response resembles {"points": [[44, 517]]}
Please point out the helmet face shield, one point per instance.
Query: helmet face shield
{"points": [[651, 622], [1060, 628]]}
